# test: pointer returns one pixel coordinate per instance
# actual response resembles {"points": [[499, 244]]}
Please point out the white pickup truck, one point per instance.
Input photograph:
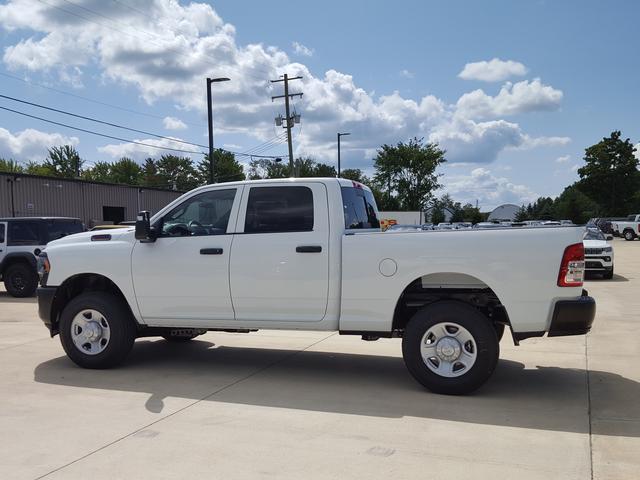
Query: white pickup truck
{"points": [[629, 228], [308, 254]]}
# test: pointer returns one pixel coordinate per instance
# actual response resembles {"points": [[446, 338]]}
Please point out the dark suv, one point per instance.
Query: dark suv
{"points": [[21, 240]]}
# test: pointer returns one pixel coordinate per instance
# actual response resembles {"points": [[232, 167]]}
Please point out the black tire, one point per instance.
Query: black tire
{"points": [[499, 330], [477, 324], [629, 235], [608, 275], [20, 280], [121, 325]]}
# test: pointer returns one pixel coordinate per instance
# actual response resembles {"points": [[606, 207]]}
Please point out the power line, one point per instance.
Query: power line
{"points": [[100, 121], [91, 132], [87, 99]]}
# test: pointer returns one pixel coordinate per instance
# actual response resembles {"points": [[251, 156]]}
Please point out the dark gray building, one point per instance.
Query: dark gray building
{"points": [[94, 203]]}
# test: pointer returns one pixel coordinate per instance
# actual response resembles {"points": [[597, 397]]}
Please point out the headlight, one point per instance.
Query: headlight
{"points": [[44, 266], [607, 249]]}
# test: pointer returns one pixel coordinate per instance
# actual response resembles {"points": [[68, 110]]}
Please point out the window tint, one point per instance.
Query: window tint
{"points": [[61, 228], [1, 232], [279, 209], [24, 233], [204, 214], [360, 210]]}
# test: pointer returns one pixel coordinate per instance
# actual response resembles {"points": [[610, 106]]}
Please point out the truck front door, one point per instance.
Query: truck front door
{"points": [[280, 259], [183, 277]]}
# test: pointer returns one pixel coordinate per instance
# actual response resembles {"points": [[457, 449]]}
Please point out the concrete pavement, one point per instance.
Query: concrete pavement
{"points": [[317, 405]]}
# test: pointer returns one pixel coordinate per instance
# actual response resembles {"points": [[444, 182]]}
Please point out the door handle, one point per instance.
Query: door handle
{"points": [[211, 251], [309, 249]]}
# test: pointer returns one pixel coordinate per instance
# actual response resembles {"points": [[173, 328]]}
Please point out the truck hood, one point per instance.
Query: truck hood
{"points": [[85, 237]]}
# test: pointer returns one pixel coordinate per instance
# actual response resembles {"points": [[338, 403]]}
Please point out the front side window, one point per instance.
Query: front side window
{"points": [[279, 209], [61, 228], [204, 214], [24, 233], [360, 210]]}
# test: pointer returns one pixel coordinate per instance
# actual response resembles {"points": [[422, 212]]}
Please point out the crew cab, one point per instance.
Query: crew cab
{"points": [[629, 228], [21, 241], [308, 254]]}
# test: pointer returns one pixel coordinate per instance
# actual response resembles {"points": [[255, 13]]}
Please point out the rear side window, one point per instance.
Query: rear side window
{"points": [[24, 233], [1, 232], [61, 228], [279, 209], [360, 210]]}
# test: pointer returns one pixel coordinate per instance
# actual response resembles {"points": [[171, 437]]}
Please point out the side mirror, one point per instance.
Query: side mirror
{"points": [[144, 232], [609, 237]]}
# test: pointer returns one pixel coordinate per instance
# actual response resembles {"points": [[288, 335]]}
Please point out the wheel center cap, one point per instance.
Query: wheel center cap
{"points": [[448, 349], [92, 331]]}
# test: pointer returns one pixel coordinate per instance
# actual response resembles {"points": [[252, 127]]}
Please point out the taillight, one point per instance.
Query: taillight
{"points": [[572, 267]]}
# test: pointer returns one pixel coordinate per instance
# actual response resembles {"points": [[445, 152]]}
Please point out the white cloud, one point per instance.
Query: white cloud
{"points": [[406, 73], [31, 144], [165, 52], [522, 97], [494, 70], [563, 159], [300, 49], [490, 190], [140, 152], [173, 123], [535, 142], [574, 167]]}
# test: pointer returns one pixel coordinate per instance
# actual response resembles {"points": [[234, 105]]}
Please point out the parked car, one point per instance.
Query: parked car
{"points": [[629, 228], [427, 226], [308, 254], [485, 225], [566, 222], [598, 253], [21, 241], [404, 228], [444, 226], [461, 225]]}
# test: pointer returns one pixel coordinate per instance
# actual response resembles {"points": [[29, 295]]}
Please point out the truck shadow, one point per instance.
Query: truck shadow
{"points": [[549, 398], [599, 278]]}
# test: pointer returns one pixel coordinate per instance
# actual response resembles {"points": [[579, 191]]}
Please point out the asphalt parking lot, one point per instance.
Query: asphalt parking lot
{"points": [[317, 405]]}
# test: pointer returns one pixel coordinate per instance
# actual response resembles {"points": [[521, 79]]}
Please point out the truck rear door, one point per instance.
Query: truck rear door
{"points": [[279, 258], [3, 240]]}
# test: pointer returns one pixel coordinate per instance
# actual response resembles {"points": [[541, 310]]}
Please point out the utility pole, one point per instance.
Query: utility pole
{"points": [[340, 135], [210, 118], [289, 119]]}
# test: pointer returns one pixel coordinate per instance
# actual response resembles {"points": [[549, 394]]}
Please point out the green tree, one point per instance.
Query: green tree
{"points": [[471, 214], [354, 174], [409, 171], [574, 205], [100, 172], [177, 173], [225, 168], [64, 161], [149, 175], [263, 168], [522, 214], [610, 177], [35, 168], [10, 166], [126, 172]]}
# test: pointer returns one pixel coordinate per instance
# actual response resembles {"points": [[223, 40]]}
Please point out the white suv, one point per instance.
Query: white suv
{"points": [[598, 253]]}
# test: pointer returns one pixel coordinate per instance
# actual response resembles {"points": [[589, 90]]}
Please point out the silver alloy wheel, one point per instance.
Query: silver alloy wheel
{"points": [[90, 332], [448, 349]]}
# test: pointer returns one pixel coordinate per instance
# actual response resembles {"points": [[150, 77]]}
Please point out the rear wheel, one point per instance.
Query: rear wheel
{"points": [[96, 330], [629, 235], [450, 347], [20, 280]]}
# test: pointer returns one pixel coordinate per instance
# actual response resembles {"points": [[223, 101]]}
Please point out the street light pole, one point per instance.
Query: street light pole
{"points": [[210, 118], [340, 135]]}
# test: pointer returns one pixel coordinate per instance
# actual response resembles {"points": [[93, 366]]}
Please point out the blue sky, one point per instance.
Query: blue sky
{"points": [[513, 90]]}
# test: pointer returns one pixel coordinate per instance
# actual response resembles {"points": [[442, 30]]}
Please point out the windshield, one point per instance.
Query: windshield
{"points": [[593, 235]]}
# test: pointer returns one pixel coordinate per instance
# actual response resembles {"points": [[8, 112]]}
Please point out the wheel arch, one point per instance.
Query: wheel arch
{"points": [[82, 283], [18, 257], [433, 287]]}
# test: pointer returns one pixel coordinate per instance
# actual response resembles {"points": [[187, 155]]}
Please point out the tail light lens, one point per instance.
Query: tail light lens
{"points": [[572, 267]]}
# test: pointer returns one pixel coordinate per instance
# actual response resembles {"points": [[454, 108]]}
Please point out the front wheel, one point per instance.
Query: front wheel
{"points": [[450, 347], [97, 330], [20, 280]]}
